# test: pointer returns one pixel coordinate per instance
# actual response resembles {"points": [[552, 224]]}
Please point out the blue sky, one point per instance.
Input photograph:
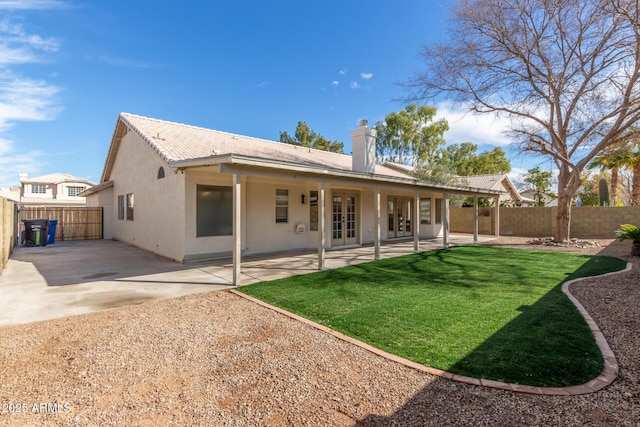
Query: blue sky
{"points": [[68, 67]]}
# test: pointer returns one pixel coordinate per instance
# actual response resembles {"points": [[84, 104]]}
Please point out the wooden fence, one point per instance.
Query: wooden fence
{"points": [[7, 233], [74, 223]]}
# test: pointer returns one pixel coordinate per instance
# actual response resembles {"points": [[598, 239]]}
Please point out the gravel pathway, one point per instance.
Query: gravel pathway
{"points": [[218, 359]]}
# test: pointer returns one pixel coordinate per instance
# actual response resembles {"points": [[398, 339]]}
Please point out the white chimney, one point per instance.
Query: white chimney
{"points": [[363, 154], [23, 176]]}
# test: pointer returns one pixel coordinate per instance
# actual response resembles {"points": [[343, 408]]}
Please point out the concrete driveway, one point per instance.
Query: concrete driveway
{"points": [[68, 278], [76, 277]]}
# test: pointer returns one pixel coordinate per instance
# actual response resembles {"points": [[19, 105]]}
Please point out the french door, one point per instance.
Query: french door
{"points": [[399, 212], [344, 219]]}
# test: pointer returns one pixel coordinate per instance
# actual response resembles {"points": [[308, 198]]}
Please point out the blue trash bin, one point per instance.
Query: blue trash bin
{"points": [[52, 231]]}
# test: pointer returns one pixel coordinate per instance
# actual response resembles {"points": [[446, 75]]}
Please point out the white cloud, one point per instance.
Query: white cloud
{"points": [[366, 76], [335, 83], [12, 163], [19, 47], [23, 98], [343, 72], [30, 4], [479, 129], [121, 62], [26, 99], [354, 85]]}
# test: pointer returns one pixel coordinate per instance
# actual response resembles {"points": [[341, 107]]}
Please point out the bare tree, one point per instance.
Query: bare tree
{"points": [[566, 72]]}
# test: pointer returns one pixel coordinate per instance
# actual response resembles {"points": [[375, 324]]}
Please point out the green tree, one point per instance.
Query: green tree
{"points": [[540, 182], [439, 173], [566, 72], [306, 137], [588, 195], [410, 136], [463, 160]]}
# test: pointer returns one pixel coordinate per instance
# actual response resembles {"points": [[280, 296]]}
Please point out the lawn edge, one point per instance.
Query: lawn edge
{"points": [[605, 378]]}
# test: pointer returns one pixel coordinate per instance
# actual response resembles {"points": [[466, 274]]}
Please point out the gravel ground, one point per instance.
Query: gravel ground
{"points": [[218, 359]]}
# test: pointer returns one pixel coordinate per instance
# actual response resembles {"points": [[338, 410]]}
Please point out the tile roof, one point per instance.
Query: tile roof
{"points": [[489, 182], [56, 178], [176, 142]]}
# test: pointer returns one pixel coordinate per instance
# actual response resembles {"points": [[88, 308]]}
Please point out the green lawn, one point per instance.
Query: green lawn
{"points": [[484, 312]]}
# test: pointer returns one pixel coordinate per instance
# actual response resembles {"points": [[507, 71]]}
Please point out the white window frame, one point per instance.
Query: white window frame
{"points": [[130, 204], [74, 190], [282, 206], [121, 207], [38, 189]]}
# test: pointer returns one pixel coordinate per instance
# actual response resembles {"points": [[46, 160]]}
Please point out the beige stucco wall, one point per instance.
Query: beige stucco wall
{"points": [[261, 234], [210, 246], [159, 214], [104, 199]]}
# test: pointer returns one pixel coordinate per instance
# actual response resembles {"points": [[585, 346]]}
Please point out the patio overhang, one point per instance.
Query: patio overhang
{"points": [[243, 165], [258, 166]]}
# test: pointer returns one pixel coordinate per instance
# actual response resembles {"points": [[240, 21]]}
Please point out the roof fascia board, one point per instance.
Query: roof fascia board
{"points": [[357, 178]]}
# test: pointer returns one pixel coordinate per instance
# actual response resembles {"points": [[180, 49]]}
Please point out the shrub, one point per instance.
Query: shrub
{"points": [[628, 231]]}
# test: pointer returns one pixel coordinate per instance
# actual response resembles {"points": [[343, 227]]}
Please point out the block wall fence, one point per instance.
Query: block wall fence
{"points": [[586, 222]]}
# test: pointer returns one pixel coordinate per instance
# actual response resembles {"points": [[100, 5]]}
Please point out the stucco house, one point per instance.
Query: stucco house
{"points": [[56, 189], [548, 199], [502, 182], [189, 193]]}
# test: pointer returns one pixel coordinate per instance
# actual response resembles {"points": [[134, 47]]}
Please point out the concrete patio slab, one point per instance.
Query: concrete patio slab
{"points": [[69, 278]]}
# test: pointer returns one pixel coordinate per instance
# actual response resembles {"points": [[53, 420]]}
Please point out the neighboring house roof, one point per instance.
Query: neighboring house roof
{"points": [[185, 146], [12, 193], [55, 178], [531, 194], [494, 182], [400, 167], [96, 188]]}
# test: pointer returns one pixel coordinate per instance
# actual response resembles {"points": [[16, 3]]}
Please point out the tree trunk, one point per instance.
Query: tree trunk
{"points": [[563, 217], [614, 186], [635, 191]]}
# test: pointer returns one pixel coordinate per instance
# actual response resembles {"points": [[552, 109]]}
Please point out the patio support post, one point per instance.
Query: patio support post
{"points": [[321, 229], [445, 220], [237, 228], [475, 219], [376, 226], [416, 222], [496, 219]]}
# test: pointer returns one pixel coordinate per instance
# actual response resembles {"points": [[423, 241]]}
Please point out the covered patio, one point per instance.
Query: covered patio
{"points": [[281, 265]]}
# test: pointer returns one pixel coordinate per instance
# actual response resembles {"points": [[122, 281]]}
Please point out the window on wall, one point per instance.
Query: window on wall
{"points": [[214, 211], [74, 191], [425, 211], [313, 211], [130, 206], [282, 206], [38, 188], [121, 207], [438, 211], [160, 172]]}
